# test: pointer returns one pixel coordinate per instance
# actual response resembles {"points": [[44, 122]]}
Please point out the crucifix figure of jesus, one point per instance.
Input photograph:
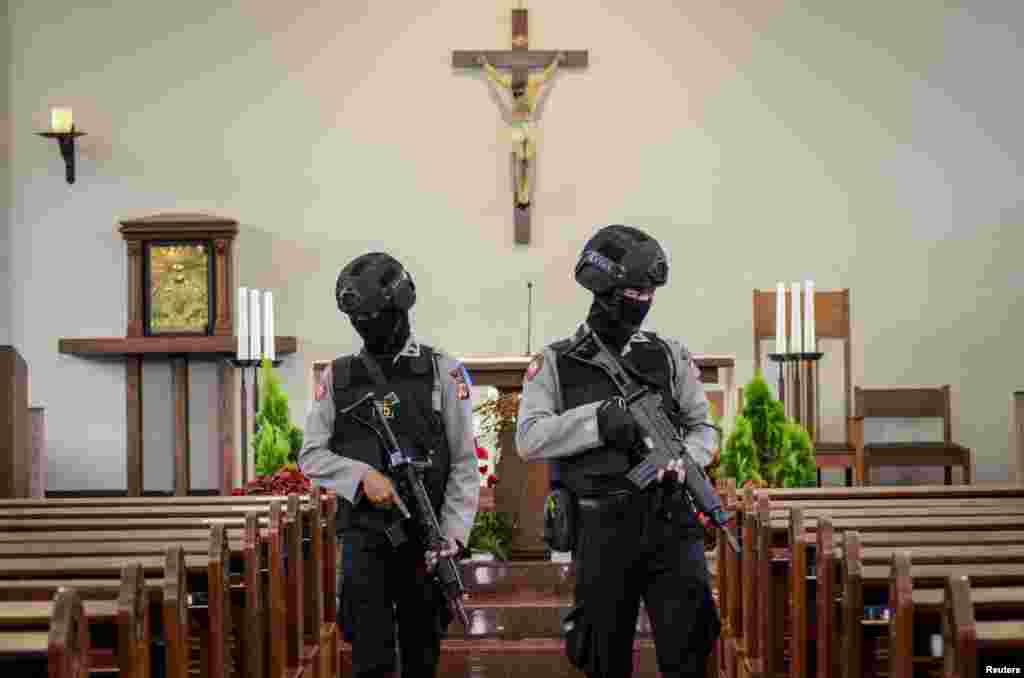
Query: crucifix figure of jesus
{"points": [[521, 107], [519, 113]]}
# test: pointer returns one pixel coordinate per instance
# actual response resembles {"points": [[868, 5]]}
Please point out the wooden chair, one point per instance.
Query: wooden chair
{"points": [[908, 403], [832, 317]]}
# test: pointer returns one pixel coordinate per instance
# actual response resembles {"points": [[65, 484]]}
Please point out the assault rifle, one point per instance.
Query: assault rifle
{"points": [[406, 473], [661, 440]]}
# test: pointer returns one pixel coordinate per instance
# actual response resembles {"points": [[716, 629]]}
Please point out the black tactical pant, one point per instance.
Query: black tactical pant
{"points": [[635, 546], [384, 585]]}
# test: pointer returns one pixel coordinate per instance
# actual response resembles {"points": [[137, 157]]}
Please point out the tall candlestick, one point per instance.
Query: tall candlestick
{"points": [[795, 333], [242, 311], [809, 328], [255, 347], [780, 318], [268, 325]]}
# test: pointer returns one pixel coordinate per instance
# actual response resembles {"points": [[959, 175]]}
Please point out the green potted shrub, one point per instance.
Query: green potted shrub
{"points": [[276, 442], [491, 536], [765, 448]]}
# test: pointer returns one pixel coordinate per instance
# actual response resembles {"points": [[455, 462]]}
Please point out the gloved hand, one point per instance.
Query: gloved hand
{"points": [[616, 425], [674, 473], [450, 548]]}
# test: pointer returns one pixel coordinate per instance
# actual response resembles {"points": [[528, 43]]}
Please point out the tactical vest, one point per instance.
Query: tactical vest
{"points": [[602, 470], [409, 395]]}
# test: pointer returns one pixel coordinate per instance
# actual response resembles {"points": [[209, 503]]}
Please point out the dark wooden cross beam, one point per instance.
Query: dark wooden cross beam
{"points": [[520, 60]]}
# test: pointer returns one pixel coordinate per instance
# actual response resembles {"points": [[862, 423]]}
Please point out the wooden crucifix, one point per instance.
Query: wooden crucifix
{"points": [[521, 110]]}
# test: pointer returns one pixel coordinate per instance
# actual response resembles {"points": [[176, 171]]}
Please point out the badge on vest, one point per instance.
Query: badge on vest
{"points": [[389, 405]]}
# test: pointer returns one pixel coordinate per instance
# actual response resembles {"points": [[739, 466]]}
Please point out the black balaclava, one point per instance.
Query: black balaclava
{"points": [[616, 318], [384, 335]]}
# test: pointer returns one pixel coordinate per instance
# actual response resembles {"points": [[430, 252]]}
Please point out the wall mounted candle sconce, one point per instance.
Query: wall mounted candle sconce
{"points": [[62, 128]]}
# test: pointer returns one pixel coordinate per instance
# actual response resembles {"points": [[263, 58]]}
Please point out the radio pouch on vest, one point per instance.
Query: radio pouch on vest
{"points": [[560, 520]]}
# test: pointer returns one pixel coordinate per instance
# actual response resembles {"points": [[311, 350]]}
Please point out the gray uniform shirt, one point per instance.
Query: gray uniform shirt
{"points": [[345, 475], [545, 430]]}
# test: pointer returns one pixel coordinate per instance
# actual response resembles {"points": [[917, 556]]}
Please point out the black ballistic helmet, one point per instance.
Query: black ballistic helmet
{"points": [[621, 256], [374, 282]]}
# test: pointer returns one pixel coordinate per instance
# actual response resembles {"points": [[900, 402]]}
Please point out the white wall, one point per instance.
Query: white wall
{"points": [[873, 146], [5, 174]]}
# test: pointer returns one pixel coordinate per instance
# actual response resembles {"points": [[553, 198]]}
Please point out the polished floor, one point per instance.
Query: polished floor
{"points": [[515, 612], [534, 658]]}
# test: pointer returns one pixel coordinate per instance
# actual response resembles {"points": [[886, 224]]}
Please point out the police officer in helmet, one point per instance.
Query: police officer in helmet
{"points": [[424, 393], [629, 544]]}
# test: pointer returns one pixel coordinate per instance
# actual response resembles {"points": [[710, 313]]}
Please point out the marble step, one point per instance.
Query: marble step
{"points": [[524, 658], [529, 578], [517, 617], [532, 578]]}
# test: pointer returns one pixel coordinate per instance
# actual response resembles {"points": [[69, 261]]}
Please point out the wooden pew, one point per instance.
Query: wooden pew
{"points": [[211, 561], [967, 641], [729, 578], [738, 579], [861, 577], [64, 647], [213, 500], [887, 492], [910, 606], [312, 597], [214, 565], [126, 619], [755, 586], [860, 573]]}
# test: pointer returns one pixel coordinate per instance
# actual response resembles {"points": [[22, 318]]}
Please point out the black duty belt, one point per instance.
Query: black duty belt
{"points": [[609, 499]]}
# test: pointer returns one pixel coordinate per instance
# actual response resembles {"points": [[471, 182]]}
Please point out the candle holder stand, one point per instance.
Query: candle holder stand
{"points": [[66, 142], [244, 365], [798, 382]]}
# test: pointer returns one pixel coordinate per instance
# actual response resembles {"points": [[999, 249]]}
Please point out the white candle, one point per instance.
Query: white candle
{"points": [[268, 325], [242, 310], [254, 315], [780, 318], [795, 334], [61, 119], [809, 328]]}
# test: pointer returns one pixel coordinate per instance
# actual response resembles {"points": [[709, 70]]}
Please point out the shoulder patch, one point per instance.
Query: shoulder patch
{"points": [[535, 366], [694, 370], [462, 381], [321, 387]]}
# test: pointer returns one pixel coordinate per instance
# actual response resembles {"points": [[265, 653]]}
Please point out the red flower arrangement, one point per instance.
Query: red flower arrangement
{"points": [[289, 480], [483, 455]]}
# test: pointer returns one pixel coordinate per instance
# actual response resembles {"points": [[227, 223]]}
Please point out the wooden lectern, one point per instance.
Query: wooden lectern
{"points": [[521, 487]]}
